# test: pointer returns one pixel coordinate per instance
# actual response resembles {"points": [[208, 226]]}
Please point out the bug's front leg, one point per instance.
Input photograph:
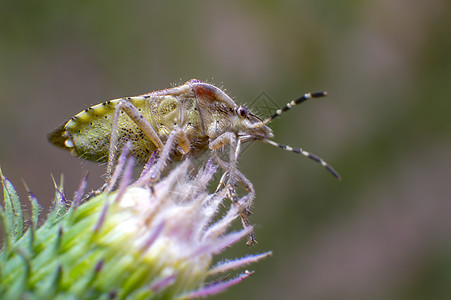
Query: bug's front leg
{"points": [[245, 202], [234, 177], [235, 146], [230, 168]]}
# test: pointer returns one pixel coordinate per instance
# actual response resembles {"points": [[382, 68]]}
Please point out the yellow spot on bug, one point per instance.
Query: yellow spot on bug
{"points": [[84, 117], [99, 109], [69, 144]]}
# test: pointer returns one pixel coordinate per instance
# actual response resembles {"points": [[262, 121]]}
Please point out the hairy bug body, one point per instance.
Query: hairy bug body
{"points": [[206, 115], [195, 116]]}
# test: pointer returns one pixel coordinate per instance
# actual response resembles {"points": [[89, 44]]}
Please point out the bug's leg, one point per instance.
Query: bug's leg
{"points": [[230, 169], [176, 137], [233, 159], [221, 183], [234, 176], [149, 164], [114, 175], [139, 120], [113, 144], [218, 143], [245, 202], [154, 173], [142, 122], [112, 152]]}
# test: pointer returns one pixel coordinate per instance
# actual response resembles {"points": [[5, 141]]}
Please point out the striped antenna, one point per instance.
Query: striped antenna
{"points": [[307, 154], [294, 103]]}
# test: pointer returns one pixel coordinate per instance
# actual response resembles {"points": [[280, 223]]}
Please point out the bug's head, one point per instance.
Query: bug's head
{"points": [[250, 127], [220, 114]]}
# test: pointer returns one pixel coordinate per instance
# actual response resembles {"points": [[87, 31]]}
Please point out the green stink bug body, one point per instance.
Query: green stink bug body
{"points": [[203, 112], [208, 118], [178, 122]]}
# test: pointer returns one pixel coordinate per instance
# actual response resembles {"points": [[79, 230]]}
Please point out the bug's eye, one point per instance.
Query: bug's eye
{"points": [[242, 111]]}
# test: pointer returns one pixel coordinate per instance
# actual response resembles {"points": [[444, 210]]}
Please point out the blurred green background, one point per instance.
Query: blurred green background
{"points": [[384, 232]]}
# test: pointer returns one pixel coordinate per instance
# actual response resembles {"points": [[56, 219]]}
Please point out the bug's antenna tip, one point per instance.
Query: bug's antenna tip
{"points": [[335, 174], [318, 94], [306, 154]]}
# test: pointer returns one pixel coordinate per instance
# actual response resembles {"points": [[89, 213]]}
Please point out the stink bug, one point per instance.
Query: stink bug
{"points": [[200, 115]]}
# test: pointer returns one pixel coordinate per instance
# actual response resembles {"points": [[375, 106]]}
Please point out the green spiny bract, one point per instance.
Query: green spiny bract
{"points": [[136, 242]]}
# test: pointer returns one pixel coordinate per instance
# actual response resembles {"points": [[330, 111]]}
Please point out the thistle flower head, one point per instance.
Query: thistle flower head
{"points": [[138, 242]]}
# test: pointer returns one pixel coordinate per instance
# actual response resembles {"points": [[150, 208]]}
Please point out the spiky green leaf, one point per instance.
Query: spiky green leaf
{"points": [[13, 211], [35, 207]]}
